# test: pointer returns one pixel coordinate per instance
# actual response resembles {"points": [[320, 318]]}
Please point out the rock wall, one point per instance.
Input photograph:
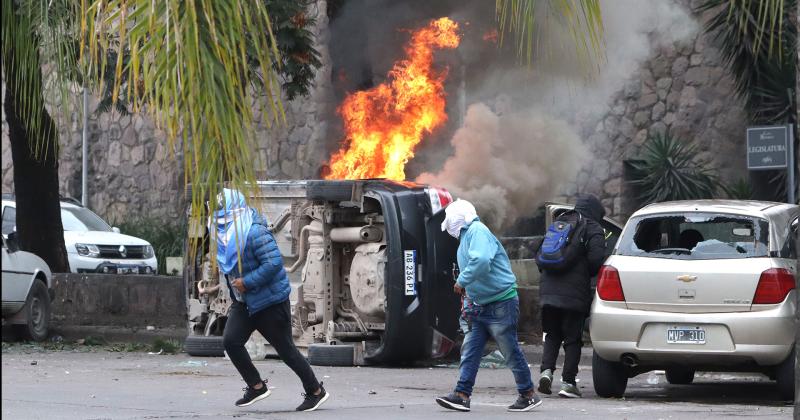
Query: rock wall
{"points": [[684, 88], [133, 173]]}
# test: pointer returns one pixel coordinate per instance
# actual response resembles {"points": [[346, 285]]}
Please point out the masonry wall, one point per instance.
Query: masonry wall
{"points": [[685, 89]]}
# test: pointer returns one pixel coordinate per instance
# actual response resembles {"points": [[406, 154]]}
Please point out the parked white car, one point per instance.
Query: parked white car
{"points": [[27, 291], [705, 285], [92, 245]]}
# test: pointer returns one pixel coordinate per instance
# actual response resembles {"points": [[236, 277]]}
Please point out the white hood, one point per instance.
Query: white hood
{"points": [[99, 238]]}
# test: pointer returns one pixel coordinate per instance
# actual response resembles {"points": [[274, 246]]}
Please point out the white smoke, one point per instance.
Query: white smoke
{"points": [[502, 161], [510, 160]]}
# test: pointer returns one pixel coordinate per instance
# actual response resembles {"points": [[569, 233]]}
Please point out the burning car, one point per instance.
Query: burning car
{"points": [[371, 272]]}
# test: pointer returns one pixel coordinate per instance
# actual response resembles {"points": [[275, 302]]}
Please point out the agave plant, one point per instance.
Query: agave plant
{"points": [[669, 170], [740, 190]]}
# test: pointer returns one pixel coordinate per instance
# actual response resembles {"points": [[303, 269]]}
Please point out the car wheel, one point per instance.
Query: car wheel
{"points": [[331, 354], [206, 346], [680, 376], [37, 313], [784, 376], [610, 378]]}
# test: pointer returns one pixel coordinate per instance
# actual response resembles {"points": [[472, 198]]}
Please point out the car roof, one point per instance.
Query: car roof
{"points": [[64, 204], [763, 209]]}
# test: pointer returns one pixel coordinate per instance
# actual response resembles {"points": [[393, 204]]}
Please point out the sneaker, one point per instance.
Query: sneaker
{"points": [[453, 402], [569, 390], [252, 395], [546, 381], [525, 403], [312, 402]]}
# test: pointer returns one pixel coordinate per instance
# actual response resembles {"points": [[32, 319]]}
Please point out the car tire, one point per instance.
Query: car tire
{"points": [[331, 354], [610, 378], [37, 313], [680, 376], [784, 377], [205, 346]]}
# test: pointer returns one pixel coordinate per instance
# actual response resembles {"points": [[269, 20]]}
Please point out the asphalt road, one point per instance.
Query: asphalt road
{"points": [[109, 385]]}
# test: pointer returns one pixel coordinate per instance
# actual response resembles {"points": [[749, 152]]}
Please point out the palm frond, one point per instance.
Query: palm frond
{"points": [[522, 18], [758, 40], [36, 33], [189, 67]]}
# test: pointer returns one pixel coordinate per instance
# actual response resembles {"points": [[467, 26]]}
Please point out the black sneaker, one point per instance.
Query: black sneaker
{"points": [[453, 402], [525, 403], [545, 382], [312, 402], [252, 395]]}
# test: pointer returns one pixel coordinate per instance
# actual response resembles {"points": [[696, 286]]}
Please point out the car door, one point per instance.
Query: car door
{"points": [[16, 280]]}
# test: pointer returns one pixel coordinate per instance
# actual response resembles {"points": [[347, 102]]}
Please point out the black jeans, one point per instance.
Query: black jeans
{"points": [[562, 326], [275, 324]]}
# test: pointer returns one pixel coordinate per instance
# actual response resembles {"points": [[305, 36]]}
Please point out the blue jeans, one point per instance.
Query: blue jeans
{"points": [[497, 320]]}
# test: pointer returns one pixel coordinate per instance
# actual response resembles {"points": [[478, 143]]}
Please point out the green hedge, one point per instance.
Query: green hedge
{"points": [[166, 238]]}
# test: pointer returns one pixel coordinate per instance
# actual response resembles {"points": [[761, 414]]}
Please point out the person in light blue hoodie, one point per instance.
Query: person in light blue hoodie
{"points": [[490, 310]]}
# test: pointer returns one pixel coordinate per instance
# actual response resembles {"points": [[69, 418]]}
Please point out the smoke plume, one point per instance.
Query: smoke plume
{"points": [[504, 164], [528, 146]]}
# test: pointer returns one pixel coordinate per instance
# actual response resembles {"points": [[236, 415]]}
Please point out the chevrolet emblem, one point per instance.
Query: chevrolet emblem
{"points": [[686, 278]]}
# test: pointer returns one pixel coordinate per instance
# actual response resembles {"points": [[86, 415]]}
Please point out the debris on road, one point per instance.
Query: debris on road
{"points": [[194, 363]]}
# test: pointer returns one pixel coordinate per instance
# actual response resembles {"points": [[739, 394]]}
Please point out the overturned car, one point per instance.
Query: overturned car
{"points": [[371, 272]]}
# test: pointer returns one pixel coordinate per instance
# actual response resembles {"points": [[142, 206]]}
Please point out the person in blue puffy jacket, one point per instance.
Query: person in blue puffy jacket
{"points": [[248, 256], [491, 307]]}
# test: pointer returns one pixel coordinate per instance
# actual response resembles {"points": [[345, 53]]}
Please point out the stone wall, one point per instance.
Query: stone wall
{"points": [[134, 174], [683, 88]]}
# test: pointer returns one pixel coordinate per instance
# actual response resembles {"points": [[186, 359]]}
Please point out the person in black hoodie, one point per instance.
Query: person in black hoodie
{"points": [[565, 298]]}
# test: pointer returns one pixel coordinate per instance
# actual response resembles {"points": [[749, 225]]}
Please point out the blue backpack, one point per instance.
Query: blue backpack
{"points": [[563, 242]]}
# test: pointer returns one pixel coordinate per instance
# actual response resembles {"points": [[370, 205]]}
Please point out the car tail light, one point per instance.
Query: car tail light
{"points": [[609, 286], [439, 197], [773, 286]]}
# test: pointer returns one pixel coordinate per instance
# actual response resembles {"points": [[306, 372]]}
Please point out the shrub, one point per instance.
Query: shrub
{"points": [[740, 190], [167, 239], [668, 170]]}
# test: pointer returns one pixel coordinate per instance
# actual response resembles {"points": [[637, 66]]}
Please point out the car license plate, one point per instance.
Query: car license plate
{"points": [[686, 335]]}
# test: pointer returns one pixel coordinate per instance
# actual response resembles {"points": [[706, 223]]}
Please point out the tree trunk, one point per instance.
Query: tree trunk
{"points": [[39, 228]]}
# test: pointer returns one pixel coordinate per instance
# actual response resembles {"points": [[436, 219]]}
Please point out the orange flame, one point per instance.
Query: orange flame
{"points": [[383, 125]]}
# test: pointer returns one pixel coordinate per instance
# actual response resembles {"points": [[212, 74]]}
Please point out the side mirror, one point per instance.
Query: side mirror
{"points": [[11, 242], [115, 229]]}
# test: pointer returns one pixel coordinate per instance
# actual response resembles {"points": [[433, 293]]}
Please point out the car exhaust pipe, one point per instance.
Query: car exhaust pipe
{"points": [[630, 360], [370, 233]]}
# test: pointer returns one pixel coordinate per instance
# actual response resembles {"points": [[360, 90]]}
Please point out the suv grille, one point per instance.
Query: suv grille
{"points": [[113, 251]]}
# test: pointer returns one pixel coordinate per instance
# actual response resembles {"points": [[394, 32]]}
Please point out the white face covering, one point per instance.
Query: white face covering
{"points": [[458, 215]]}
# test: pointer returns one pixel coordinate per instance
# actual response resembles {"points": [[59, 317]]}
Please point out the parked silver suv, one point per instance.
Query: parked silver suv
{"points": [[698, 285]]}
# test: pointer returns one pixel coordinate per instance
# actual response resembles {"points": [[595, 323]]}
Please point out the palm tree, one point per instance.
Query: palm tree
{"points": [[758, 40], [194, 65]]}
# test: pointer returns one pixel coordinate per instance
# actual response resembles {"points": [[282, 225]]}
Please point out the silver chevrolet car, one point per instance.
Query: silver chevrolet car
{"points": [[698, 285]]}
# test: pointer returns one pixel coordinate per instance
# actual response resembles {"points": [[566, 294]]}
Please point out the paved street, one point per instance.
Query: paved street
{"points": [[111, 385]]}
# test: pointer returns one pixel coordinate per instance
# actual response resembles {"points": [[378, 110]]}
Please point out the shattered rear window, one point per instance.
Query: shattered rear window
{"points": [[695, 236]]}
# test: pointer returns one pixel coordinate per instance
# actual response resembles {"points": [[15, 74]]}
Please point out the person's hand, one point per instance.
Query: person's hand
{"points": [[239, 285], [458, 289]]}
